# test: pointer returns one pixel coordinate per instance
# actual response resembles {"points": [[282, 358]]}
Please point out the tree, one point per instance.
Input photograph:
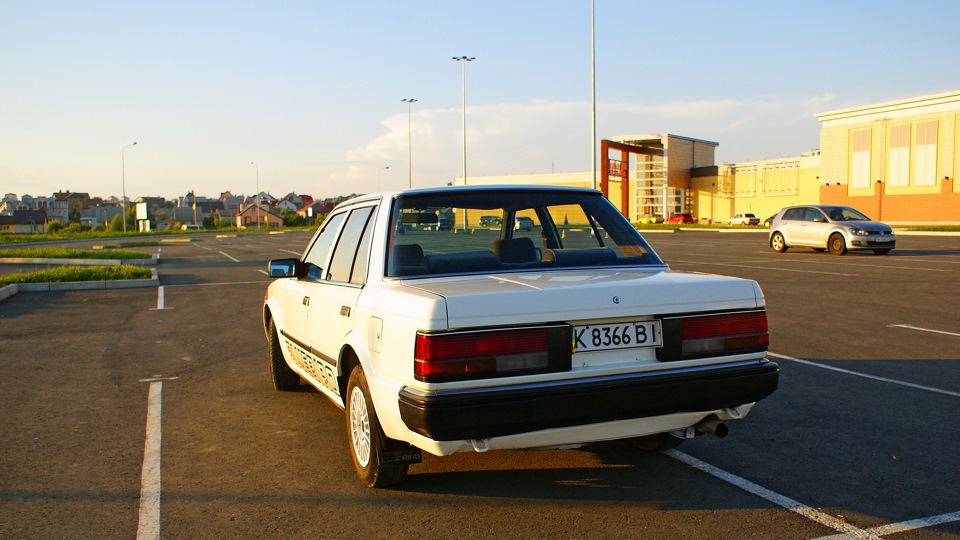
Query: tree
{"points": [[53, 226], [73, 216], [131, 218], [116, 224], [292, 219]]}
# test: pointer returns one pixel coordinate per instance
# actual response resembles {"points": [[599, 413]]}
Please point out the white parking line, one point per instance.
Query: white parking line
{"points": [[754, 266], [944, 260], [261, 282], [229, 257], [833, 261], [264, 272], [775, 498], [160, 300], [894, 528], [149, 522], [865, 375], [922, 329], [297, 253]]}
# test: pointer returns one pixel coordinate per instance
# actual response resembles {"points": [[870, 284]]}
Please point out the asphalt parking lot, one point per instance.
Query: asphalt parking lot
{"points": [[149, 412]]}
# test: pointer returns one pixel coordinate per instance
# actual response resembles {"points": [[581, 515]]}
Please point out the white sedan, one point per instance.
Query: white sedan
{"points": [[477, 338]]}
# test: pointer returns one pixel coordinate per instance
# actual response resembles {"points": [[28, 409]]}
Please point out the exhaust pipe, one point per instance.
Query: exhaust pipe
{"points": [[712, 425]]}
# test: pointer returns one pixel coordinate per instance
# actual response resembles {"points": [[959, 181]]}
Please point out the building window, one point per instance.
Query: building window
{"points": [[899, 174], [925, 168], [860, 170]]}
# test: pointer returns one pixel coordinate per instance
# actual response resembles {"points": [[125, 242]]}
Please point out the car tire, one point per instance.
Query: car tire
{"points": [[836, 244], [882, 251], [778, 243], [656, 442], [284, 378], [365, 437]]}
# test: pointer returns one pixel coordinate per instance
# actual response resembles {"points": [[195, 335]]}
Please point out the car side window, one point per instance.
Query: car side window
{"points": [[813, 214], [316, 256], [349, 262], [793, 214]]}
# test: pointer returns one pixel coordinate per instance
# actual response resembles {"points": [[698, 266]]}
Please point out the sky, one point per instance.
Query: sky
{"points": [[310, 91]]}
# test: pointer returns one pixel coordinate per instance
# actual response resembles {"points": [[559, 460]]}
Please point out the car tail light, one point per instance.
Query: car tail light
{"points": [[456, 356], [715, 334]]}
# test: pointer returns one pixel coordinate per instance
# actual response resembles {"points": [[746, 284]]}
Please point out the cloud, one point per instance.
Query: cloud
{"points": [[542, 137]]}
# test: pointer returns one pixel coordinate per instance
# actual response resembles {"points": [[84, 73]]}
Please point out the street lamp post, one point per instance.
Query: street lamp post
{"points": [[463, 106], [258, 192], [593, 92], [409, 102], [123, 183], [379, 176]]}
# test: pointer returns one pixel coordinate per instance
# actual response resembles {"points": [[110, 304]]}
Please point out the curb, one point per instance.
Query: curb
{"points": [[10, 290], [152, 261]]}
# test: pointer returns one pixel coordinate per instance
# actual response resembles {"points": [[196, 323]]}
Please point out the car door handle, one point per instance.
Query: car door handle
{"points": [[306, 300], [345, 311]]}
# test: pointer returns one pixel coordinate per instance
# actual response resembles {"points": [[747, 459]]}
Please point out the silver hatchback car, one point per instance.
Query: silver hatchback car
{"points": [[829, 227]]}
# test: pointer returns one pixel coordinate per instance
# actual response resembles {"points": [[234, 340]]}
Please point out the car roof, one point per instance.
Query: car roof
{"points": [[467, 189], [818, 206]]}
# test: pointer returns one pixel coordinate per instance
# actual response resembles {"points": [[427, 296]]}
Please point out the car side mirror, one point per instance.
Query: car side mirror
{"points": [[820, 220], [279, 268]]}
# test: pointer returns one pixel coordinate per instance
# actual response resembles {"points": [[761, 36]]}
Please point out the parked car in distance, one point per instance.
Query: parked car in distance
{"points": [[506, 340], [650, 219], [681, 218], [769, 220], [444, 224], [190, 227], [523, 223], [491, 221], [744, 219], [829, 227]]}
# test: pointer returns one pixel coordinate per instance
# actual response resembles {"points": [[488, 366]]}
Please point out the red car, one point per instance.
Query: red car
{"points": [[681, 218]]}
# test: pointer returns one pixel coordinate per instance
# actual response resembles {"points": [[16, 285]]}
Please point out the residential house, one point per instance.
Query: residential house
{"points": [[100, 214], [24, 222], [286, 204], [267, 217], [77, 201]]}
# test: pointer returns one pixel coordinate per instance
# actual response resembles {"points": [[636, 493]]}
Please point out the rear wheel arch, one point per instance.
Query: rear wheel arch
{"points": [[348, 360], [267, 317]]}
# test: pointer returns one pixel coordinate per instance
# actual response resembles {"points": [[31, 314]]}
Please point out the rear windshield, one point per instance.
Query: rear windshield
{"points": [[502, 231]]}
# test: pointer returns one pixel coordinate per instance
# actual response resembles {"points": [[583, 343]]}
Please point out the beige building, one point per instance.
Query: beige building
{"points": [[896, 161]]}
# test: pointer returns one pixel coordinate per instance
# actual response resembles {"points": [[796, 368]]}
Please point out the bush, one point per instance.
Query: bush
{"points": [[53, 226], [116, 224]]}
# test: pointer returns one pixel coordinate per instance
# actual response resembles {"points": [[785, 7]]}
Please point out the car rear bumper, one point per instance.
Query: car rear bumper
{"points": [[494, 412]]}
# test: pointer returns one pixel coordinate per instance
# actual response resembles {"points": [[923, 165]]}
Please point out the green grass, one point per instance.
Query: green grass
{"points": [[932, 228], [60, 253], [10, 238], [78, 273]]}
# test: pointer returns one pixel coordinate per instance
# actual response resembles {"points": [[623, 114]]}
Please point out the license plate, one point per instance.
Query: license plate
{"points": [[629, 335], [883, 239]]}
